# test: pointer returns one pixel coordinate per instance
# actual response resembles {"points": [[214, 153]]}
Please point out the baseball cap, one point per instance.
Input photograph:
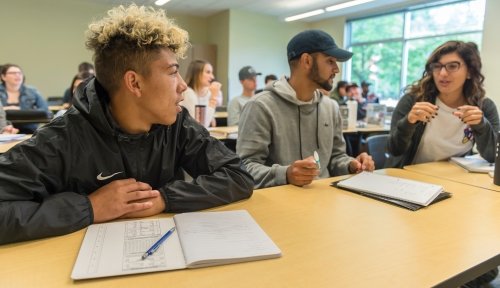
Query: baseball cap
{"points": [[364, 83], [314, 40], [248, 72], [349, 86]]}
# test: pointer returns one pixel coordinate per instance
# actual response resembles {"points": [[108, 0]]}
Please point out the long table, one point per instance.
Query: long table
{"points": [[450, 171], [4, 146], [329, 238]]}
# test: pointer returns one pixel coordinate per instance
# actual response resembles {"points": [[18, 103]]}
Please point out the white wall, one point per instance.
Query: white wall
{"points": [[260, 41], [490, 51], [46, 38]]}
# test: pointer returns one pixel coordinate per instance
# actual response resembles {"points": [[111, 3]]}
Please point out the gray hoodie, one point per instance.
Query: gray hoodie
{"points": [[276, 129]]}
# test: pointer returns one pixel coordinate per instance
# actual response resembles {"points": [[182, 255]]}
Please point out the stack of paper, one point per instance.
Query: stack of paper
{"points": [[474, 163], [402, 192]]}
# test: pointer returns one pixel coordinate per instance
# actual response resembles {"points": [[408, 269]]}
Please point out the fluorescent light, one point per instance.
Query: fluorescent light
{"points": [[346, 5], [305, 15], [161, 2]]}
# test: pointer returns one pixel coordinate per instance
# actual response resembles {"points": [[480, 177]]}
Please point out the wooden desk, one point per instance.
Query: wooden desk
{"points": [[5, 146], [368, 129], [453, 172], [224, 132], [220, 114], [329, 238], [55, 108]]}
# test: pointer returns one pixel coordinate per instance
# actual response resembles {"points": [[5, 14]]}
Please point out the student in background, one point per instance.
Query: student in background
{"points": [[353, 93], [79, 78], [202, 90], [281, 127], [4, 127], [248, 80], [115, 153], [339, 94], [365, 93], [84, 67], [267, 81], [446, 112], [15, 95]]}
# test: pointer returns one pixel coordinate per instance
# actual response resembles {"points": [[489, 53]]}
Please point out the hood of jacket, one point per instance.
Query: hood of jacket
{"points": [[304, 111], [284, 90], [92, 101]]}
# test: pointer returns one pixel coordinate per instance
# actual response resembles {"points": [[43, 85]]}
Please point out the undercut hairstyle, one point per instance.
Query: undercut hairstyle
{"points": [[130, 38], [425, 89]]}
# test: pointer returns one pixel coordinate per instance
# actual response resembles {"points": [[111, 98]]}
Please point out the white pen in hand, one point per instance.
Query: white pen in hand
{"points": [[316, 158], [158, 244]]}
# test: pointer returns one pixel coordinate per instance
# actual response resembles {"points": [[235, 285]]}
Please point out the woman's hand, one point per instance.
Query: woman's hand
{"points": [[422, 111], [214, 92], [470, 115]]}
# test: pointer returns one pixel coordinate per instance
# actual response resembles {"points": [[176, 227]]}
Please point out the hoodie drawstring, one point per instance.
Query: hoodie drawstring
{"points": [[317, 130]]}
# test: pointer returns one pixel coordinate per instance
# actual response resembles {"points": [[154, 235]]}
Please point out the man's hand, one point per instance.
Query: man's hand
{"points": [[122, 198], [363, 162], [302, 172]]}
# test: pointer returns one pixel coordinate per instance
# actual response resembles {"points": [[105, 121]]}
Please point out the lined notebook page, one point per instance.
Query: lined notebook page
{"points": [[398, 188], [215, 238]]}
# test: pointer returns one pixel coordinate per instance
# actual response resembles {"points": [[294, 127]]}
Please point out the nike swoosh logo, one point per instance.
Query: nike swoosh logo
{"points": [[100, 177]]}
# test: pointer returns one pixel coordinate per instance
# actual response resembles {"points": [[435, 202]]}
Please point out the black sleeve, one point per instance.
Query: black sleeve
{"points": [[29, 208], [219, 177], [401, 130]]}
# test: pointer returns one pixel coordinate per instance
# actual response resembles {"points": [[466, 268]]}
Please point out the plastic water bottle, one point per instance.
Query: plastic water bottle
{"points": [[352, 106], [496, 176]]}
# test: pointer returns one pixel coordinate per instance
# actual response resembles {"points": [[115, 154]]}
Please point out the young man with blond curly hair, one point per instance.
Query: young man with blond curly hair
{"points": [[117, 151]]}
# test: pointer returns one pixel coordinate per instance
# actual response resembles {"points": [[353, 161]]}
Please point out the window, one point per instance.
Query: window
{"points": [[390, 50]]}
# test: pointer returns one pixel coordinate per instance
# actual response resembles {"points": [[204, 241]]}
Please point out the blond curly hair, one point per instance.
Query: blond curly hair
{"points": [[129, 38]]}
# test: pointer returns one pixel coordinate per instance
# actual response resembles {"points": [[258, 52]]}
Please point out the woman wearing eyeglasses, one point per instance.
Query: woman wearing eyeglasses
{"points": [[446, 112], [14, 94]]}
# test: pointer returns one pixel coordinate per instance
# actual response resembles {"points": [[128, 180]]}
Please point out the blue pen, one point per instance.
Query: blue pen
{"points": [[157, 244], [316, 158]]}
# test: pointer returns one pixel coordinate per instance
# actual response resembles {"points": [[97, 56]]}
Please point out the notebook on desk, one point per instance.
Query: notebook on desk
{"points": [[409, 194], [474, 163], [201, 239]]}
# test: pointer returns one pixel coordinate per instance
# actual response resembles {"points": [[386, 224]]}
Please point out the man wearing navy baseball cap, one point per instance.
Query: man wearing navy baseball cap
{"points": [[282, 128], [312, 41]]}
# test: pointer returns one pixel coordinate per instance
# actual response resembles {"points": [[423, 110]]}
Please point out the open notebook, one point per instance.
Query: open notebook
{"points": [[402, 192], [201, 239], [474, 163]]}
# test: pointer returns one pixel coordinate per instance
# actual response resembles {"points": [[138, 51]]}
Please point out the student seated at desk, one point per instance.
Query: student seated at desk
{"points": [[446, 112], [280, 128], [77, 79], [84, 67], [14, 94], [202, 90], [117, 151], [248, 80]]}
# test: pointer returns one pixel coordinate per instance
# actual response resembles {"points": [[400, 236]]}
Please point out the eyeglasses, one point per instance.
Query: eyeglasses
{"points": [[14, 73], [453, 66]]}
